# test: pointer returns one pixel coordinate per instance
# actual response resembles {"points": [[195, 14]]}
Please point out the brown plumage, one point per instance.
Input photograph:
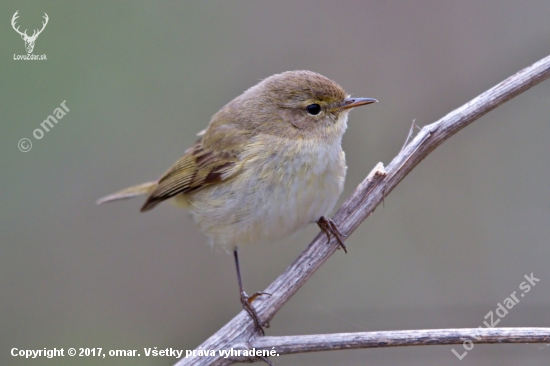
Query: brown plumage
{"points": [[269, 163]]}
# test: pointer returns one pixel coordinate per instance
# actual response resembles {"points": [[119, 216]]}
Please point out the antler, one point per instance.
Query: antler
{"points": [[35, 33], [15, 16], [43, 26]]}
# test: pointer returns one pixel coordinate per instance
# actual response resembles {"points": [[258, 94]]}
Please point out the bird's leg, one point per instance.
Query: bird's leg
{"points": [[329, 227], [247, 301]]}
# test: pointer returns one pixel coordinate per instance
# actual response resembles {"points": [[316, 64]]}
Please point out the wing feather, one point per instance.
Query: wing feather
{"points": [[213, 159]]}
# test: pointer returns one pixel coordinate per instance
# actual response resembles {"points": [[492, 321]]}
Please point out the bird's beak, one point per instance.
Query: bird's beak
{"points": [[356, 102]]}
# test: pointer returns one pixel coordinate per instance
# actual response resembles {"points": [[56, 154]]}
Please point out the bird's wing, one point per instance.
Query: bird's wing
{"points": [[214, 158]]}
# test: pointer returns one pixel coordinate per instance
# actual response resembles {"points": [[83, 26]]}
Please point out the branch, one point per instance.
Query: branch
{"points": [[239, 332], [397, 338]]}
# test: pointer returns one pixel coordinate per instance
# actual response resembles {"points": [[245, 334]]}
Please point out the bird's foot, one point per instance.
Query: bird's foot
{"points": [[246, 301], [329, 227]]}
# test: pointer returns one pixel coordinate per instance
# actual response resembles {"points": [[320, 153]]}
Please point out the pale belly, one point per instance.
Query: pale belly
{"points": [[275, 197]]}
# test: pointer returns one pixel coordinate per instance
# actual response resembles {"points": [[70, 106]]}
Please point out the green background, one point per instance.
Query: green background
{"points": [[142, 78]]}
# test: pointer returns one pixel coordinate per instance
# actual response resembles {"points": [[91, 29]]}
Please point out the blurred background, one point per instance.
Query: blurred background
{"points": [[141, 78]]}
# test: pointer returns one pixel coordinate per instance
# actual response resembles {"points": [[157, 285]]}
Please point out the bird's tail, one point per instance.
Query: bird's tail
{"points": [[134, 191]]}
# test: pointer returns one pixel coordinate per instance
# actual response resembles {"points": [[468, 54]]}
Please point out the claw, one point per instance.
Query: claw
{"points": [[247, 305], [329, 227], [256, 295]]}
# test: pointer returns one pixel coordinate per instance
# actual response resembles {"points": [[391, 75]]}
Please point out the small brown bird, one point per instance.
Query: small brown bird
{"points": [[269, 163]]}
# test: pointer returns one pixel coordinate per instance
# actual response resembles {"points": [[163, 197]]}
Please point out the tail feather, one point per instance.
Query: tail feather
{"points": [[134, 191]]}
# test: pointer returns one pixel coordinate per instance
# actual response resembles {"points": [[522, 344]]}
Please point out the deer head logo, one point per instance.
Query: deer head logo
{"points": [[29, 41]]}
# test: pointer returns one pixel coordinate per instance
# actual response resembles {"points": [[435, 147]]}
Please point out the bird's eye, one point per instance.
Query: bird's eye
{"points": [[313, 109]]}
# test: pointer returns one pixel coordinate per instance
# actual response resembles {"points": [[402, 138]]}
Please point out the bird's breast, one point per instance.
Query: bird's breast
{"points": [[283, 186]]}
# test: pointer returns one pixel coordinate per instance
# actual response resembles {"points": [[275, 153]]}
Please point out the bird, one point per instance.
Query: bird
{"points": [[269, 163]]}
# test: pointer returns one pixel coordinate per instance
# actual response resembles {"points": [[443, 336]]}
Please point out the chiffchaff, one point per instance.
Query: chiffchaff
{"points": [[269, 163]]}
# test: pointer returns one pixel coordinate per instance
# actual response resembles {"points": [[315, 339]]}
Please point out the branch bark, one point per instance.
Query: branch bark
{"points": [[239, 332], [329, 342]]}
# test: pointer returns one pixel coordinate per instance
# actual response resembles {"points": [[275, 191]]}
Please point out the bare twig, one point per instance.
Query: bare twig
{"points": [[239, 332], [397, 338], [411, 131]]}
